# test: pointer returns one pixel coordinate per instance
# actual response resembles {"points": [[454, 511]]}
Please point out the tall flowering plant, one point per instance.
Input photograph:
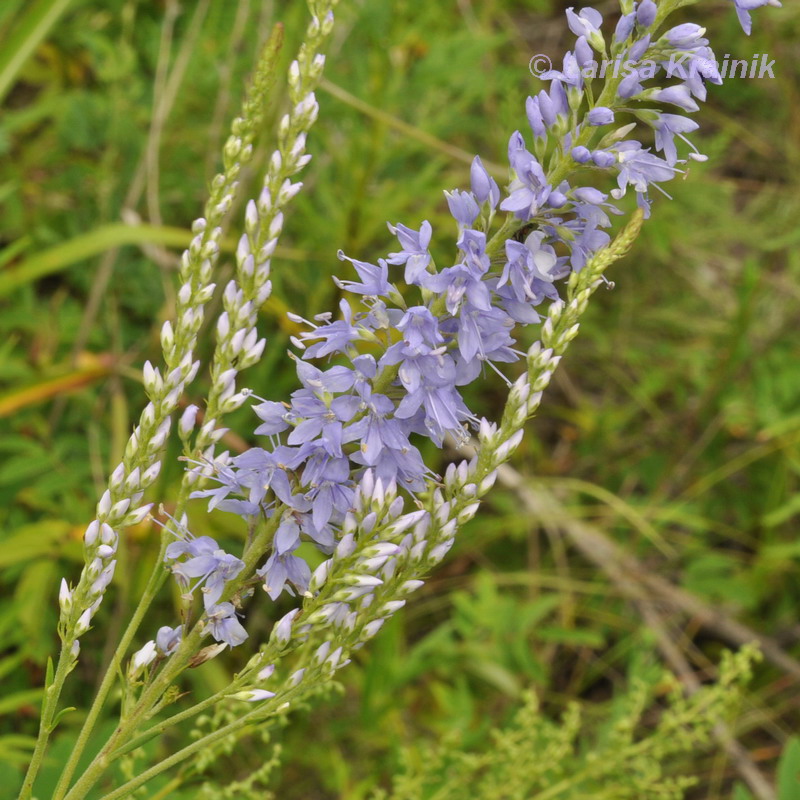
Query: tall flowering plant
{"points": [[338, 463]]}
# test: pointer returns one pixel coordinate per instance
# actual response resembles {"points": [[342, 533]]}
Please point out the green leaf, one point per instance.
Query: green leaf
{"points": [[14, 702], [26, 37], [58, 717], [740, 793], [33, 541], [789, 771]]}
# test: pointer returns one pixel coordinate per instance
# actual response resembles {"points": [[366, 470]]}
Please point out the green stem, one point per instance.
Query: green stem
{"points": [[51, 696], [181, 755], [154, 583], [175, 719], [176, 664]]}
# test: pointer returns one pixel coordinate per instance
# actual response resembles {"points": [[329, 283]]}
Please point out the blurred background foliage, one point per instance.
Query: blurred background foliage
{"points": [[654, 515]]}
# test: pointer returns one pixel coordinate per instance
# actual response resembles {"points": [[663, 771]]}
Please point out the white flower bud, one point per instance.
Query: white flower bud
{"points": [[132, 481], [276, 226], [187, 421], [346, 546], [371, 628], [141, 658], [82, 625], [334, 658], [91, 533], [320, 576], [252, 695], [167, 337], [104, 506], [282, 630], [322, 652], [392, 607], [118, 509], [266, 673], [487, 482], [136, 516], [117, 476], [64, 597], [150, 375]]}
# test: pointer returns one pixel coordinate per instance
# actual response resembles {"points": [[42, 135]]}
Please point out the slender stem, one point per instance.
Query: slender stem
{"points": [[176, 758], [49, 705], [175, 719], [176, 664], [154, 583]]}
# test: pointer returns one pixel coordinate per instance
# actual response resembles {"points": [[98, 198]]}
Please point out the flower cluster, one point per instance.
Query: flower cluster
{"points": [[389, 369]]}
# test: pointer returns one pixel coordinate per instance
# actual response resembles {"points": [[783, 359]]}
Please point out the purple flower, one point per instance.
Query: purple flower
{"points": [[223, 624], [667, 127], [273, 416], [374, 278], [603, 159], [646, 13], [210, 564], [581, 154], [583, 52], [639, 48], [587, 23], [420, 331], [529, 189], [528, 268], [322, 419], [688, 35], [168, 639], [377, 429], [625, 26], [640, 168], [676, 95], [283, 568], [484, 186], [463, 207], [570, 73], [330, 491], [260, 471], [336, 336], [600, 115], [414, 253], [743, 7], [535, 119]]}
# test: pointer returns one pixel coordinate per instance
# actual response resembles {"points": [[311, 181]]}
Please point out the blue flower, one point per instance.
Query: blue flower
{"points": [[463, 207], [667, 127], [587, 23], [283, 566], [323, 419], [414, 253], [529, 189], [168, 639], [222, 622], [743, 7], [646, 13], [600, 115], [484, 186], [375, 279], [528, 268], [641, 169], [208, 563], [336, 336]]}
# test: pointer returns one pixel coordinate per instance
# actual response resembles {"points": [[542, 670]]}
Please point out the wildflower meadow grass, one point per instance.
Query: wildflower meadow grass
{"points": [[400, 400]]}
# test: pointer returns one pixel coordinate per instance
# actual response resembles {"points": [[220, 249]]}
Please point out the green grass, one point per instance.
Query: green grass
{"points": [[673, 429]]}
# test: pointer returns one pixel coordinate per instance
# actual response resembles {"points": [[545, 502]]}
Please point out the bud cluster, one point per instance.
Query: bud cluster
{"points": [[238, 343]]}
